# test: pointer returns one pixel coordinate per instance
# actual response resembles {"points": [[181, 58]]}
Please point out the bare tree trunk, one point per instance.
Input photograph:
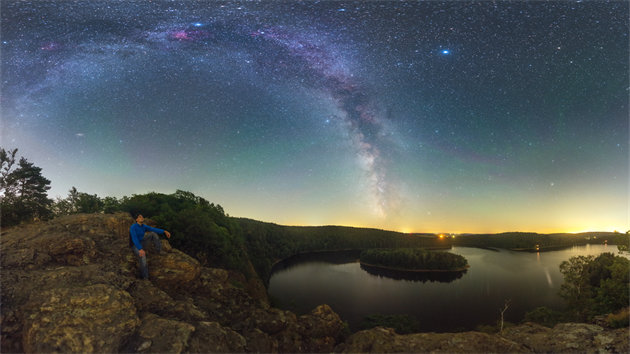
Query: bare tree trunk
{"points": [[507, 304]]}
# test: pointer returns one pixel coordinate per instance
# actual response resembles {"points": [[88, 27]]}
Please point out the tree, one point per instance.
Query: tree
{"points": [[73, 199], [507, 304], [88, 203], [623, 242], [24, 190], [614, 291], [7, 187], [576, 289], [110, 205], [594, 285], [7, 160], [61, 207], [80, 202]]}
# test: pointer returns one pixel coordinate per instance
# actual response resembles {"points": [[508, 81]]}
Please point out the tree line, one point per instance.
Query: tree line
{"points": [[521, 240], [414, 259]]}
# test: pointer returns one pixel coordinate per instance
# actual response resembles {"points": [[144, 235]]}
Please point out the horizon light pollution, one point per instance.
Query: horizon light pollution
{"points": [[408, 116]]}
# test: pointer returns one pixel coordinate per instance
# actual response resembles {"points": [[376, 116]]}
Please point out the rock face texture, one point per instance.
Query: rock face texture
{"points": [[569, 338], [384, 340], [70, 285], [526, 338], [92, 319]]}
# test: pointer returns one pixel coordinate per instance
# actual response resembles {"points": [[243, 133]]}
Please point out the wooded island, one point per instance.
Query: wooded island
{"points": [[414, 259]]}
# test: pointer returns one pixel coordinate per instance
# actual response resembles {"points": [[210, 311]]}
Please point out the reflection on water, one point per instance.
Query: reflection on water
{"points": [[303, 282], [303, 259], [423, 277]]}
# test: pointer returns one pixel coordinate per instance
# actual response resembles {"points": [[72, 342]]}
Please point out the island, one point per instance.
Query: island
{"points": [[414, 259]]}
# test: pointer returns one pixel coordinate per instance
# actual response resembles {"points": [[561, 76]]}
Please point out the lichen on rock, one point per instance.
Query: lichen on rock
{"points": [[90, 319]]}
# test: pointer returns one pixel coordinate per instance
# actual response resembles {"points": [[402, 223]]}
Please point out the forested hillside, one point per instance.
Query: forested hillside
{"points": [[268, 243]]}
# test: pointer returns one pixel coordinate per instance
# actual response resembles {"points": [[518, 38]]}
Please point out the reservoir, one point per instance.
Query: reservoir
{"points": [[440, 302]]}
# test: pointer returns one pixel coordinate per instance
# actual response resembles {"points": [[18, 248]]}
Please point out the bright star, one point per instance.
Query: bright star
{"points": [[445, 51]]}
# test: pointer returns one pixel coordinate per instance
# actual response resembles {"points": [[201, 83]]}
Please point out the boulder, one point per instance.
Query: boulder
{"points": [[290, 341], [71, 249], [172, 270], [259, 342], [91, 319], [166, 246], [321, 330], [159, 335], [119, 223], [210, 283], [148, 298], [185, 311], [322, 322], [210, 337], [213, 276], [273, 320]]}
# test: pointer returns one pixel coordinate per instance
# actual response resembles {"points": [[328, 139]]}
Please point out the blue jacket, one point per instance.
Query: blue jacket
{"points": [[136, 234]]}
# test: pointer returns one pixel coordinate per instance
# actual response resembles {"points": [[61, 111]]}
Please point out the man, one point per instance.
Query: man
{"points": [[138, 241]]}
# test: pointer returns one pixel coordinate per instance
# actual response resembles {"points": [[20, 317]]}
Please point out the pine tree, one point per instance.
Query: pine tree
{"points": [[7, 186], [24, 190]]}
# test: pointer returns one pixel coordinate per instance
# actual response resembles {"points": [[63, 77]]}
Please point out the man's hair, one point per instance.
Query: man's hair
{"points": [[135, 216]]}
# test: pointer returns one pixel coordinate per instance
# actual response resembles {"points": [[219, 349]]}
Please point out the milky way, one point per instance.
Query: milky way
{"points": [[400, 115]]}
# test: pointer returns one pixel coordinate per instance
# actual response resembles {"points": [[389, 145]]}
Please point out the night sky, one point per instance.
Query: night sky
{"points": [[407, 116]]}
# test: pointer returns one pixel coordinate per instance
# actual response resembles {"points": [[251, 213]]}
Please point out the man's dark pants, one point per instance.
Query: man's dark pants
{"points": [[150, 236]]}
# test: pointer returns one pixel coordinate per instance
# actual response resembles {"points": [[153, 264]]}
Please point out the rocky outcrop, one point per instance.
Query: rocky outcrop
{"points": [[385, 340], [526, 338], [569, 338], [71, 285]]}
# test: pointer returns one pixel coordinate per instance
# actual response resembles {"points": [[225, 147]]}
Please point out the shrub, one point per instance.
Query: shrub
{"points": [[620, 319], [544, 316], [487, 329]]}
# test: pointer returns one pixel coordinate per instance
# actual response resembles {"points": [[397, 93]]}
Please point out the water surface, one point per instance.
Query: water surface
{"points": [[530, 280]]}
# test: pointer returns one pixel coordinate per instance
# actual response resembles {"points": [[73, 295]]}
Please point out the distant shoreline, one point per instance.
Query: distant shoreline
{"points": [[549, 248], [418, 270]]}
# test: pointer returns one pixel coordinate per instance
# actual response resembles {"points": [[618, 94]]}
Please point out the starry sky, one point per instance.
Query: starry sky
{"points": [[408, 116]]}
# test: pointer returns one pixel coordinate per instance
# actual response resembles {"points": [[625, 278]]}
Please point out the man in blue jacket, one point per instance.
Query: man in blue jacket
{"points": [[138, 241]]}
